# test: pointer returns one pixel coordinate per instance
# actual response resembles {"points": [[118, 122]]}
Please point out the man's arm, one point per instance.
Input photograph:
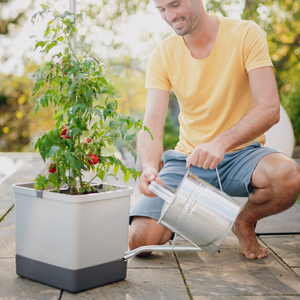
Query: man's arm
{"points": [[263, 116], [150, 151]]}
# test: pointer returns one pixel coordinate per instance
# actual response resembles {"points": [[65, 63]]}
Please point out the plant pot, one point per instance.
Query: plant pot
{"points": [[71, 242]]}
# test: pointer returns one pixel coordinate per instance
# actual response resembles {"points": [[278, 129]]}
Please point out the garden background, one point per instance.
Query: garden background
{"points": [[121, 34]]}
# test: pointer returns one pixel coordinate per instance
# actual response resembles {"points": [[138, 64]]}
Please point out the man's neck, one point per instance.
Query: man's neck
{"points": [[202, 39]]}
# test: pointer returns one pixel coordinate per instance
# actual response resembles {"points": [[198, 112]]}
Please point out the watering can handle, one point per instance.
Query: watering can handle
{"points": [[165, 193], [217, 176], [161, 192], [219, 179]]}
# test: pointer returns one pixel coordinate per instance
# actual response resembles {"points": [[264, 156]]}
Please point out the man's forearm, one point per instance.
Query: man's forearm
{"points": [[256, 122], [149, 151]]}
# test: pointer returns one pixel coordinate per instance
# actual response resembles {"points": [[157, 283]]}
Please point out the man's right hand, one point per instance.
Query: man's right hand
{"points": [[150, 174]]}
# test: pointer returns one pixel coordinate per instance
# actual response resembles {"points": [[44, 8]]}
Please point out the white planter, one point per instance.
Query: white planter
{"points": [[71, 242]]}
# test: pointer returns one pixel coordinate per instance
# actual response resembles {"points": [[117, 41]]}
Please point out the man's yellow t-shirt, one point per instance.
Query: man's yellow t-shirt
{"points": [[213, 93]]}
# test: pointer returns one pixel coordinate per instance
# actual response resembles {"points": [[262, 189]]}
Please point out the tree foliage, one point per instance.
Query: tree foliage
{"points": [[17, 124], [13, 19]]}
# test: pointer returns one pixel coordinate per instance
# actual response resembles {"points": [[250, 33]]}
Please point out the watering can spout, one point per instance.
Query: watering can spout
{"points": [[160, 248], [162, 192]]}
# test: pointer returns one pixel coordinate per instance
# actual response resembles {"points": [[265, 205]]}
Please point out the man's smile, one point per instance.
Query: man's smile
{"points": [[178, 24]]}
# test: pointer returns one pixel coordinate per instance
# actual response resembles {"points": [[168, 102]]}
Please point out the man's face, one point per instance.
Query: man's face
{"points": [[181, 15]]}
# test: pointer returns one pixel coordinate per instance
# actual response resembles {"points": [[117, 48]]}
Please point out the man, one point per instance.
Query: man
{"points": [[222, 75]]}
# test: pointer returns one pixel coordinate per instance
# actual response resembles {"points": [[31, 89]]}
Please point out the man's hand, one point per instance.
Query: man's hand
{"points": [[150, 174], [206, 156]]}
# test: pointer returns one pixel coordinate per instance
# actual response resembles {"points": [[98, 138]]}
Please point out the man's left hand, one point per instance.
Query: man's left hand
{"points": [[206, 156]]}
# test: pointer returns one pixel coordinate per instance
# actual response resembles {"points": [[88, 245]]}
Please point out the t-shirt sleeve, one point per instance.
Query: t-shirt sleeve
{"points": [[156, 74], [256, 51]]}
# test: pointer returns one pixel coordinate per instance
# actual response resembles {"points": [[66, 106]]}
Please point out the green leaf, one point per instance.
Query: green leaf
{"points": [[102, 79], [129, 123], [98, 113], [130, 137], [41, 183], [126, 175], [53, 179], [88, 93], [116, 169], [40, 44], [79, 76], [36, 108], [37, 86], [46, 68], [101, 174], [53, 150], [71, 89], [70, 159], [76, 131], [34, 143], [114, 123]]}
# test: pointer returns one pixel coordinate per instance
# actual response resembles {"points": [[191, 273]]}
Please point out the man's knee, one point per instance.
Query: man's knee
{"points": [[285, 180], [145, 231], [279, 175]]}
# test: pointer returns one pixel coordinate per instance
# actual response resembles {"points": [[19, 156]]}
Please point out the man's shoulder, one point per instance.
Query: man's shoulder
{"points": [[169, 42], [236, 24], [163, 50], [239, 24]]}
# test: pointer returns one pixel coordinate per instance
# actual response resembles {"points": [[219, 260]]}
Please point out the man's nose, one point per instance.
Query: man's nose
{"points": [[170, 15]]}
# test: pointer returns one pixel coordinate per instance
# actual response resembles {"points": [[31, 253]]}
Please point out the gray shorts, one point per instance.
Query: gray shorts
{"points": [[235, 173]]}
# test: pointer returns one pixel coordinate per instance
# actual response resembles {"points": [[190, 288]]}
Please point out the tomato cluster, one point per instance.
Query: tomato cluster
{"points": [[94, 159]]}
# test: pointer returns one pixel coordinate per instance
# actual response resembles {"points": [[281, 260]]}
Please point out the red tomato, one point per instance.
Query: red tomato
{"points": [[64, 131], [94, 158], [65, 137], [88, 140], [62, 69], [51, 168]]}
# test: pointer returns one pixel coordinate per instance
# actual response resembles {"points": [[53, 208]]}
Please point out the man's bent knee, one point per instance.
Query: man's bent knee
{"points": [[284, 178], [288, 182], [146, 231], [279, 177]]}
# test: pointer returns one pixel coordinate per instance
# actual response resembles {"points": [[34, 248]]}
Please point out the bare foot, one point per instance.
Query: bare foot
{"points": [[249, 245]]}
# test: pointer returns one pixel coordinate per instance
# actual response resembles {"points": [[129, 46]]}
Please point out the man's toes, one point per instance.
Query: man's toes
{"points": [[263, 253], [250, 255]]}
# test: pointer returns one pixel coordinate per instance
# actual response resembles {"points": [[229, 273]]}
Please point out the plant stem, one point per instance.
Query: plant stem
{"points": [[70, 47], [91, 180], [79, 158]]}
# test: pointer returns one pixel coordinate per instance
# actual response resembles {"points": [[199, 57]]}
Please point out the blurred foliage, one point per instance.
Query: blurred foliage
{"points": [[14, 18], [292, 107], [171, 132], [110, 14], [102, 22], [280, 19], [130, 85], [17, 123], [171, 126]]}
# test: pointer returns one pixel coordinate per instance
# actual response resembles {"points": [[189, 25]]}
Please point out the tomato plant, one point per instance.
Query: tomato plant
{"points": [[86, 117]]}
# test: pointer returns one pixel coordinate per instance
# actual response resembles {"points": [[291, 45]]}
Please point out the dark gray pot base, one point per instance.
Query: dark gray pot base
{"points": [[73, 281]]}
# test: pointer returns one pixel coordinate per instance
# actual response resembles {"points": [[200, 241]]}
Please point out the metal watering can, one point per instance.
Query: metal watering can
{"points": [[196, 211]]}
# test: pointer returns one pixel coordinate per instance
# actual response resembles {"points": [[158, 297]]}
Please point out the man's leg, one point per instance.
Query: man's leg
{"points": [[146, 231], [277, 178]]}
